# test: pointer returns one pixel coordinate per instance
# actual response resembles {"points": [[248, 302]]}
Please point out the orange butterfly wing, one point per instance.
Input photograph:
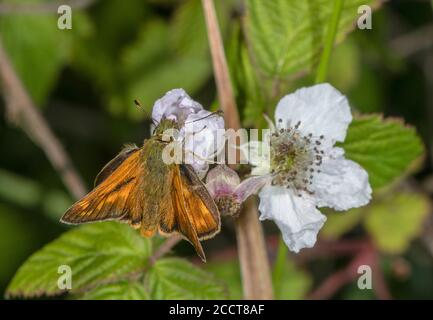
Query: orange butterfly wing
{"points": [[116, 195], [194, 214], [111, 166]]}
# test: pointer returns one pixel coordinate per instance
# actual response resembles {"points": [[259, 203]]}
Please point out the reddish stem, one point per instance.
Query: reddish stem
{"points": [[366, 254]]}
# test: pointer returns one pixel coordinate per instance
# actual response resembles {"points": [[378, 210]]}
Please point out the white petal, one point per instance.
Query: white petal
{"points": [[204, 139], [341, 184], [251, 186], [176, 104], [321, 109], [297, 217], [258, 155]]}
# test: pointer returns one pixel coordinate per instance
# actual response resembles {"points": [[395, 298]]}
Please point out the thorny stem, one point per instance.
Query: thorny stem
{"points": [[252, 252], [24, 113]]}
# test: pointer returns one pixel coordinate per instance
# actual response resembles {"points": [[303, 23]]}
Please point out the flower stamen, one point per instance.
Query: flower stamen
{"points": [[295, 158]]}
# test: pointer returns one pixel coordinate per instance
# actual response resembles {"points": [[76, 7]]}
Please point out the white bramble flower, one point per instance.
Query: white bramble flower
{"points": [[307, 171], [200, 136]]}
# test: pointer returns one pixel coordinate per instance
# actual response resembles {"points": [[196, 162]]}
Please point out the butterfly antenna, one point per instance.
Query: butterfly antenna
{"points": [[140, 106], [213, 114]]}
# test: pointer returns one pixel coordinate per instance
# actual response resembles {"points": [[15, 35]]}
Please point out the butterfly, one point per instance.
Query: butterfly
{"points": [[138, 188]]}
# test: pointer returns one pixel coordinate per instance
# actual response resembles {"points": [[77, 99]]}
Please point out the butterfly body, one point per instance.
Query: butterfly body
{"points": [[138, 188]]}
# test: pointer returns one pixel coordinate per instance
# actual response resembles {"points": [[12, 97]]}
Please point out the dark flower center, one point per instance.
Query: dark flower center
{"points": [[228, 205]]}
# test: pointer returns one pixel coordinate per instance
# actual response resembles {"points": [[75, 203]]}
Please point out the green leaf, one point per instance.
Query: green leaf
{"points": [[15, 228], [174, 278], [329, 41], [289, 282], [397, 220], [116, 22], [188, 29], [187, 73], [386, 148], [94, 252], [122, 290], [295, 283], [37, 49], [230, 272], [32, 194], [99, 47], [161, 54], [140, 56], [286, 36], [245, 82], [30, 191], [151, 67], [55, 202], [345, 66], [338, 223]]}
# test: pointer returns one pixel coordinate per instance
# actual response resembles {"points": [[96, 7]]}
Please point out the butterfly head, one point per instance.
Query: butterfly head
{"points": [[165, 129]]}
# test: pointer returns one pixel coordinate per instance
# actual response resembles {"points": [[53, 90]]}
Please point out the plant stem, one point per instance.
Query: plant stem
{"points": [[221, 71], [165, 248], [322, 69], [279, 266], [22, 111], [252, 252], [253, 257]]}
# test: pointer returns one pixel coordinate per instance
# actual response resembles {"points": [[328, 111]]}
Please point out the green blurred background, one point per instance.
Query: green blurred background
{"points": [[85, 80]]}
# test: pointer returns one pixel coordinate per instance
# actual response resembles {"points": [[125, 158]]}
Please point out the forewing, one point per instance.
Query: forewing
{"points": [[117, 197], [111, 166]]}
